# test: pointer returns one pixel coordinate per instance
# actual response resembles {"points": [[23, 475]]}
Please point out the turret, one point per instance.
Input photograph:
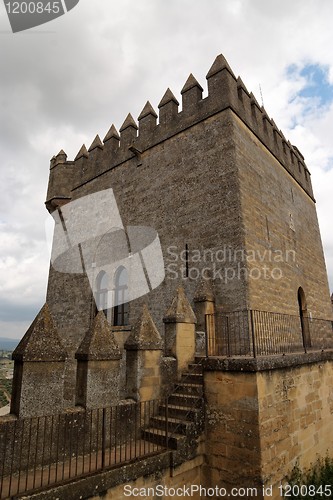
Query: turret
{"points": [[60, 181]]}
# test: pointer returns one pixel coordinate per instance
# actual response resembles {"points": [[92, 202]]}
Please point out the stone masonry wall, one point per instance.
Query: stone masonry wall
{"points": [[282, 233], [260, 423], [183, 477], [233, 454], [170, 193], [296, 418]]}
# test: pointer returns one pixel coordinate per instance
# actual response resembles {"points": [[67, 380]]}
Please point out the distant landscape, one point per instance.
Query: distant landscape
{"points": [[8, 344], [6, 371]]}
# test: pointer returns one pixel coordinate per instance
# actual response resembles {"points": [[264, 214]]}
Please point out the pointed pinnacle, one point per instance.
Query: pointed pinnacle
{"points": [[83, 153], [147, 110], [61, 157], [97, 143], [254, 100], [219, 64], [265, 115], [241, 84], [41, 342], [204, 291], [111, 133], [129, 122], [168, 97], [145, 334], [99, 342], [190, 83], [180, 310]]}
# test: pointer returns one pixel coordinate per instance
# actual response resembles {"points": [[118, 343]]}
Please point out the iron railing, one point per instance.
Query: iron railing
{"points": [[262, 333], [40, 452]]}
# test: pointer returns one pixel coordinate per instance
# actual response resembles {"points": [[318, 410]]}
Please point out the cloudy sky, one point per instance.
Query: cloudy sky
{"points": [[65, 81]]}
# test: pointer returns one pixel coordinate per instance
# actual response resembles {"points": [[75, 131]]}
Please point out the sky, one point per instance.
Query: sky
{"points": [[65, 81]]}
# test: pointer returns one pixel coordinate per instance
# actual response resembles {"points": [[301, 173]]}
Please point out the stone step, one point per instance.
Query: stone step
{"points": [[196, 378], [158, 436], [195, 368], [182, 399], [199, 359], [178, 425], [182, 412], [190, 388]]}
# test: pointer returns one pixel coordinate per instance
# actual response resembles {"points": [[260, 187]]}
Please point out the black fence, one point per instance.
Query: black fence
{"points": [[261, 333], [36, 453]]}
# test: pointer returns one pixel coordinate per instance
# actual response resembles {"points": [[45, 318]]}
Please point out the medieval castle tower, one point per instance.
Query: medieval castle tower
{"points": [[208, 214]]}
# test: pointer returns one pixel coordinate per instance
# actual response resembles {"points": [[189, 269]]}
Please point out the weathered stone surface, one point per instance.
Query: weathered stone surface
{"points": [[262, 418], [143, 474], [240, 84], [61, 157], [99, 343], [97, 143], [190, 83], [204, 291], [266, 362], [129, 122], [180, 310], [41, 342], [145, 335], [83, 153], [112, 133], [219, 64], [147, 110], [168, 97]]}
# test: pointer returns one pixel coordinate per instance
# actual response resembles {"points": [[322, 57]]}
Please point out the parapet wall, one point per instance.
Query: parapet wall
{"points": [[266, 418], [225, 91]]}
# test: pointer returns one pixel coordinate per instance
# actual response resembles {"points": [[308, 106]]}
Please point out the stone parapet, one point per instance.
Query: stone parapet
{"points": [[225, 91]]}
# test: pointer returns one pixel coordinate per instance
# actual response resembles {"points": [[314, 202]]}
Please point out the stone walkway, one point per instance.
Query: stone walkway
{"points": [[54, 474]]}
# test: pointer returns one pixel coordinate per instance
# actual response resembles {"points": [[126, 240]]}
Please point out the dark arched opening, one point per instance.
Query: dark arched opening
{"points": [[121, 309], [102, 291], [303, 313]]}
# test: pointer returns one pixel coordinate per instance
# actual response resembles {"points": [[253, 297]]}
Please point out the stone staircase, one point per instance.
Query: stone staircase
{"points": [[180, 418]]}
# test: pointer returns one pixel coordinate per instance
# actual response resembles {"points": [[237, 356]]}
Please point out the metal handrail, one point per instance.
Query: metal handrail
{"points": [[251, 332]]}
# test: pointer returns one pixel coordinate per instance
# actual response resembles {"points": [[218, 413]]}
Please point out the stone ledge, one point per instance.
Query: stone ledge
{"points": [[243, 364], [99, 483]]}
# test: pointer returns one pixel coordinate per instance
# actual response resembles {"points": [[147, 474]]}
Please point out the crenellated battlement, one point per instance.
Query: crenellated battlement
{"points": [[225, 91]]}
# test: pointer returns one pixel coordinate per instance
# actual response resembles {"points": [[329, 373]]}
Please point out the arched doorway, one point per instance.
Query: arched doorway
{"points": [[121, 309], [303, 313]]}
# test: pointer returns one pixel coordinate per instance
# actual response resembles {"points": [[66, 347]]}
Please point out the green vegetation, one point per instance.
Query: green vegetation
{"points": [[6, 373], [312, 484], [5, 354]]}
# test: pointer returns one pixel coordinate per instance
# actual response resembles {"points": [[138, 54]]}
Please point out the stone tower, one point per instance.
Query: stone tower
{"points": [[228, 196]]}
